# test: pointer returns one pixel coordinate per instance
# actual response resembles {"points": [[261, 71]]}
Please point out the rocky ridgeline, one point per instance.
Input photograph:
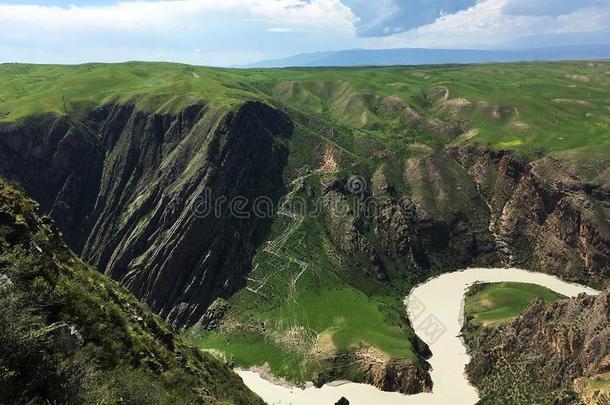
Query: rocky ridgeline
{"points": [[546, 354], [545, 215], [127, 188]]}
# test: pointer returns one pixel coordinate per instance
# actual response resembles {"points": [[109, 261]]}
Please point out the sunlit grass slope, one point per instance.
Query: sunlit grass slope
{"points": [[531, 107], [498, 303]]}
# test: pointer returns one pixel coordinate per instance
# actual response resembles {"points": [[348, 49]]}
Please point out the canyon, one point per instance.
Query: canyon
{"points": [[400, 178]]}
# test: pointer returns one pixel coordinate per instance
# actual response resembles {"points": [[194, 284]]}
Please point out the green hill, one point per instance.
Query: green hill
{"points": [[70, 335], [546, 106], [499, 303]]}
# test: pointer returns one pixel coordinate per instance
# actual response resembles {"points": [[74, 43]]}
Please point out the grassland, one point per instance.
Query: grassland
{"points": [[498, 303], [531, 107], [304, 306]]}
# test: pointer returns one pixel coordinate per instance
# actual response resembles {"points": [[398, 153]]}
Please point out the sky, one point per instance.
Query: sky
{"points": [[237, 32]]}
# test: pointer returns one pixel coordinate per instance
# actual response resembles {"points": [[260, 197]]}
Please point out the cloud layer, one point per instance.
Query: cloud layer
{"points": [[386, 17], [227, 32], [550, 7]]}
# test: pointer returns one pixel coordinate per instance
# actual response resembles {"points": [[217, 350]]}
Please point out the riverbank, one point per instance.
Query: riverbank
{"points": [[435, 310]]}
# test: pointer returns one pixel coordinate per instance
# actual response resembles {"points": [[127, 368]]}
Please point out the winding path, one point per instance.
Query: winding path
{"points": [[436, 310]]}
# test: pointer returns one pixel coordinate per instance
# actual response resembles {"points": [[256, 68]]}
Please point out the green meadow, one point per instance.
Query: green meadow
{"points": [[560, 107], [498, 303]]}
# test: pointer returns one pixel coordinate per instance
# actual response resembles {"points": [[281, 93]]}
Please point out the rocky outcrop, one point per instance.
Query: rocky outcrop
{"points": [[545, 214], [397, 375], [544, 351], [475, 205], [370, 365], [162, 203], [439, 222], [594, 391], [346, 224], [67, 337]]}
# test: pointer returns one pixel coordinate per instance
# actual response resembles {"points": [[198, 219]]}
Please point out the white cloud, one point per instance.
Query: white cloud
{"points": [[223, 32], [279, 29], [383, 17], [487, 25], [170, 15]]}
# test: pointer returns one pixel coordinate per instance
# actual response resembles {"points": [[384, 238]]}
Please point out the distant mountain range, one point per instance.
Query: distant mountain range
{"points": [[423, 56]]}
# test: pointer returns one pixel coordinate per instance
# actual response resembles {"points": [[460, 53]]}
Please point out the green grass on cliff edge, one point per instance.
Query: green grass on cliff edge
{"points": [[552, 107], [498, 303]]}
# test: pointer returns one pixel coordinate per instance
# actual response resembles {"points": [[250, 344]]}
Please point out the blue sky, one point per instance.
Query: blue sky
{"points": [[232, 32]]}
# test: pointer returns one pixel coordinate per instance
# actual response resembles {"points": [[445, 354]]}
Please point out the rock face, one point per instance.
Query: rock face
{"points": [[437, 221], [544, 351], [545, 214], [397, 375], [473, 205], [380, 370], [146, 197]]}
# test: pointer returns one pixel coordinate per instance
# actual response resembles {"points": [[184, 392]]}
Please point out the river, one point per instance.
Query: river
{"points": [[435, 309]]}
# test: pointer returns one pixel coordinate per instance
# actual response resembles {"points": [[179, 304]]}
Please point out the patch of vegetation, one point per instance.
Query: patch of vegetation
{"points": [[523, 106], [117, 352], [498, 303]]}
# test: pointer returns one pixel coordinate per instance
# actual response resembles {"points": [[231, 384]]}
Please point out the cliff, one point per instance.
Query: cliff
{"points": [[131, 191], [550, 352], [473, 205], [69, 334], [548, 214]]}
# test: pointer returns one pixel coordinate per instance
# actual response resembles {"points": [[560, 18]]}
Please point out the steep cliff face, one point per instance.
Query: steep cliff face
{"points": [[59, 162], [395, 375], [145, 197], [539, 356], [473, 205], [432, 217], [545, 214]]}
